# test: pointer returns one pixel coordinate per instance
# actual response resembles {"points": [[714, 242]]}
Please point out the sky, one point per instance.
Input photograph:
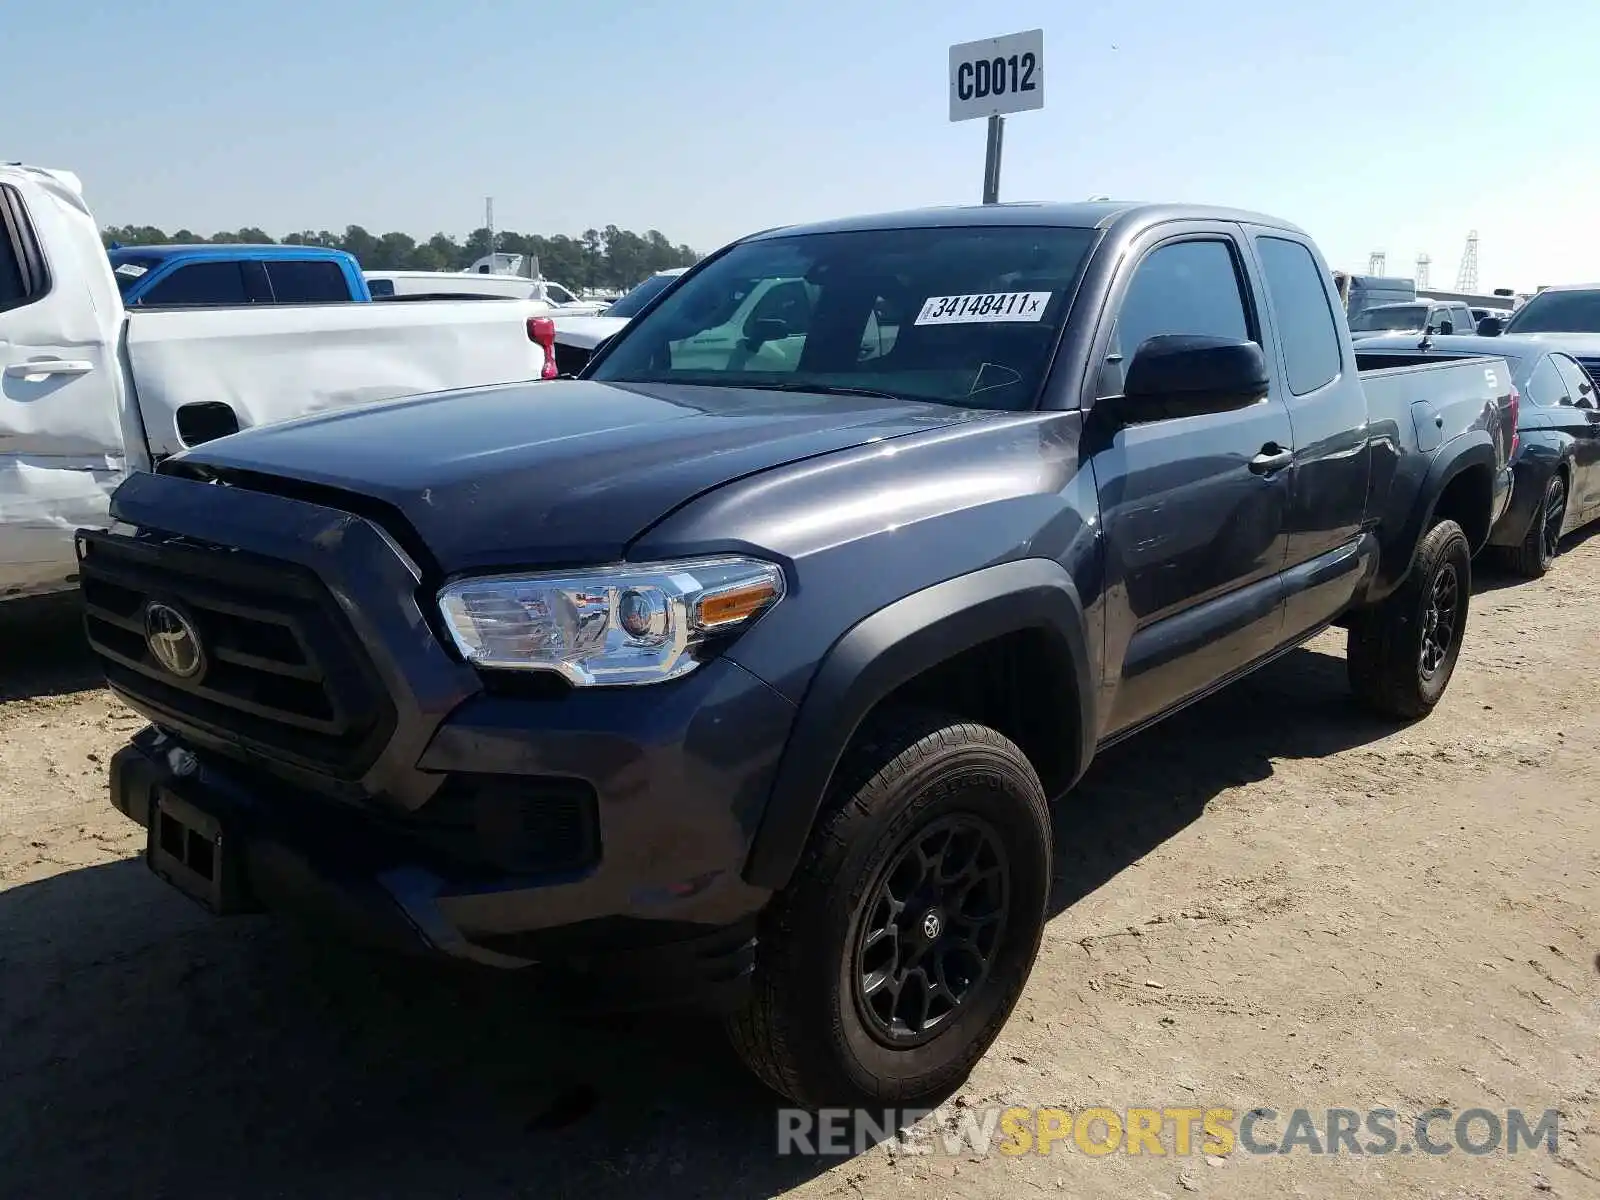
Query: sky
{"points": [[1395, 126]]}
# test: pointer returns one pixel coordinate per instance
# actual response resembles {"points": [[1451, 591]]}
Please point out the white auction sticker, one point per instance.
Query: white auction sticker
{"points": [[983, 307], [131, 270]]}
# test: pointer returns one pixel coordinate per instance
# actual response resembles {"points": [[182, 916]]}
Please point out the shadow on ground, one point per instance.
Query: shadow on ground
{"points": [[148, 1050], [1141, 792], [1491, 575], [42, 649]]}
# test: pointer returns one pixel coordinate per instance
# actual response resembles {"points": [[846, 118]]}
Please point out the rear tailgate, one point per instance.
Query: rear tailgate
{"points": [[273, 363]]}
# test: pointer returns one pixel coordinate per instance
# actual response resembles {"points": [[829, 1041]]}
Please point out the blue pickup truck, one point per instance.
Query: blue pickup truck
{"points": [[224, 274]]}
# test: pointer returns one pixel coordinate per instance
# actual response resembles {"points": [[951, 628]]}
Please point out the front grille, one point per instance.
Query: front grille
{"points": [[571, 359], [284, 676]]}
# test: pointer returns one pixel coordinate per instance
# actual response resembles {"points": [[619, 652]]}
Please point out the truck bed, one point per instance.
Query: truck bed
{"points": [[272, 363], [1441, 401]]}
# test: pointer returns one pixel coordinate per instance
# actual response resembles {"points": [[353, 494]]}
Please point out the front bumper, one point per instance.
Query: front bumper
{"points": [[376, 883]]}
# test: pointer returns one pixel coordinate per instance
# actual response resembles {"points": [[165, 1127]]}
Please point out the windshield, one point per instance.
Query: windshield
{"points": [[647, 291], [1401, 316], [966, 315], [1558, 312], [129, 269]]}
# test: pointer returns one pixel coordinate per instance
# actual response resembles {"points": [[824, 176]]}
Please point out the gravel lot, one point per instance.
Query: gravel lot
{"points": [[1272, 900]]}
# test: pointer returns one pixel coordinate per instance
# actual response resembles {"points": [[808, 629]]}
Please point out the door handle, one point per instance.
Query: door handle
{"points": [[1273, 457], [48, 366]]}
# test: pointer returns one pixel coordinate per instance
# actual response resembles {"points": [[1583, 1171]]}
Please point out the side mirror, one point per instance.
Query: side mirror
{"points": [[1446, 328], [1179, 375], [760, 330], [1489, 327]]}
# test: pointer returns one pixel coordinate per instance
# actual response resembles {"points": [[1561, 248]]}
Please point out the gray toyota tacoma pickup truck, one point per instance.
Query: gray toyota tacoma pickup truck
{"points": [[743, 669]]}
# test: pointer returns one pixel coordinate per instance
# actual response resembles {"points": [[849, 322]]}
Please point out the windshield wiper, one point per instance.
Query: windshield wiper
{"points": [[823, 389]]}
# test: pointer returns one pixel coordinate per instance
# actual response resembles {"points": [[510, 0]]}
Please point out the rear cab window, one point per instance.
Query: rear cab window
{"points": [[965, 315], [1302, 312], [306, 281]]}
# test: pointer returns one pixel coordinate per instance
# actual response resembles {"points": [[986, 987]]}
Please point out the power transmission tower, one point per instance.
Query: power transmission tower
{"points": [[488, 223], [1377, 263], [1423, 263], [1467, 277]]}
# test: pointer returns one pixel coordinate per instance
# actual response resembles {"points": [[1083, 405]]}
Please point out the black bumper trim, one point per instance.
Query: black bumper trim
{"points": [[337, 868]]}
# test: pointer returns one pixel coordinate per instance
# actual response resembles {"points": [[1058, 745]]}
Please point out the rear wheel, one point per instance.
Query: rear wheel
{"points": [[1402, 653], [1539, 548], [892, 960]]}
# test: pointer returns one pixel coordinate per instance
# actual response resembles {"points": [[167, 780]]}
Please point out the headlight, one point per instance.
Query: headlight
{"points": [[611, 625]]}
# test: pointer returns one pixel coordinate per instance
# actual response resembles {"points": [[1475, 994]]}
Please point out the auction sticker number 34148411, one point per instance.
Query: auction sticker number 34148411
{"points": [[983, 307]]}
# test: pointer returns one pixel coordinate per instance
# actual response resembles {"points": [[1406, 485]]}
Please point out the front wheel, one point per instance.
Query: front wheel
{"points": [[892, 960], [1402, 653]]}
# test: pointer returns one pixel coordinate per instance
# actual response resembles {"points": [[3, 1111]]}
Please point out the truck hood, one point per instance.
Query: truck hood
{"points": [[557, 473], [1579, 345]]}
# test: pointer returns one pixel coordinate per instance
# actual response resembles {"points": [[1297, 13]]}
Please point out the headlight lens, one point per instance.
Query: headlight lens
{"points": [[611, 625]]}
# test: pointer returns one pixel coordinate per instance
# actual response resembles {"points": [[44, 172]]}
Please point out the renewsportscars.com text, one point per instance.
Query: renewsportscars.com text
{"points": [[1168, 1131]]}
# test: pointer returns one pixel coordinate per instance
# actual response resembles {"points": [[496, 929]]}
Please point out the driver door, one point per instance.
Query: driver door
{"points": [[1194, 508]]}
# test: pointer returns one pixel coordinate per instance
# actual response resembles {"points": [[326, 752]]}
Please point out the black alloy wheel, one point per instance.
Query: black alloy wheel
{"points": [[1439, 619], [931, 926]]}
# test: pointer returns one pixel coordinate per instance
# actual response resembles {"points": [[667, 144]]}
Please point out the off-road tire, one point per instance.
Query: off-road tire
{"points": [[803, 1031], [1534, 556], [1384, 645]]}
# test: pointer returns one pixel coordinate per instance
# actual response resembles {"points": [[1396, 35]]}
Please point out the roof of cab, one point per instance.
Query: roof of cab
{"points": [[1092, 214], [226, 250]]}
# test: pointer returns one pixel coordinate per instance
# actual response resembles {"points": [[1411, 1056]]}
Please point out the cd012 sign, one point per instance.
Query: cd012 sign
{"points": [[997, 75]]}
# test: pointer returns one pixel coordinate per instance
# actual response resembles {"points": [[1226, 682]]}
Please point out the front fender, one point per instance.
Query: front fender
{"points": [[893, 646]]}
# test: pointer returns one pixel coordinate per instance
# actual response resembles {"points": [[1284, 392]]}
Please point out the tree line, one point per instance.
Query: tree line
{"points": [[601, 258]]}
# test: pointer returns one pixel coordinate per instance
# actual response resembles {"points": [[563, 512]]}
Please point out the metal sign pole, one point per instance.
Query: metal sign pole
{"points": [[991, 161]]}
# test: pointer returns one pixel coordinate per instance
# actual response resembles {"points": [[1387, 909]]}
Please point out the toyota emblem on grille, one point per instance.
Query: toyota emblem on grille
{"points": [[173, 640]]}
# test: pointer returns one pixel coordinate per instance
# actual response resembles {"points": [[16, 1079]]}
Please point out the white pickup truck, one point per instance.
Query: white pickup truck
{"points": [[90, 391]]}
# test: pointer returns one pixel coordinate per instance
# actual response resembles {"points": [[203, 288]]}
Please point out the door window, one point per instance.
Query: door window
{"points": [[13, 291], [200, 283], [1183, 288], [1303, 313], [23, 278], [1579, 387], [1545, 385]]}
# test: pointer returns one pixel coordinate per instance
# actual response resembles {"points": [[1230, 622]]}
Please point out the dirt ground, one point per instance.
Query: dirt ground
{"points": [[1271, 901]]}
